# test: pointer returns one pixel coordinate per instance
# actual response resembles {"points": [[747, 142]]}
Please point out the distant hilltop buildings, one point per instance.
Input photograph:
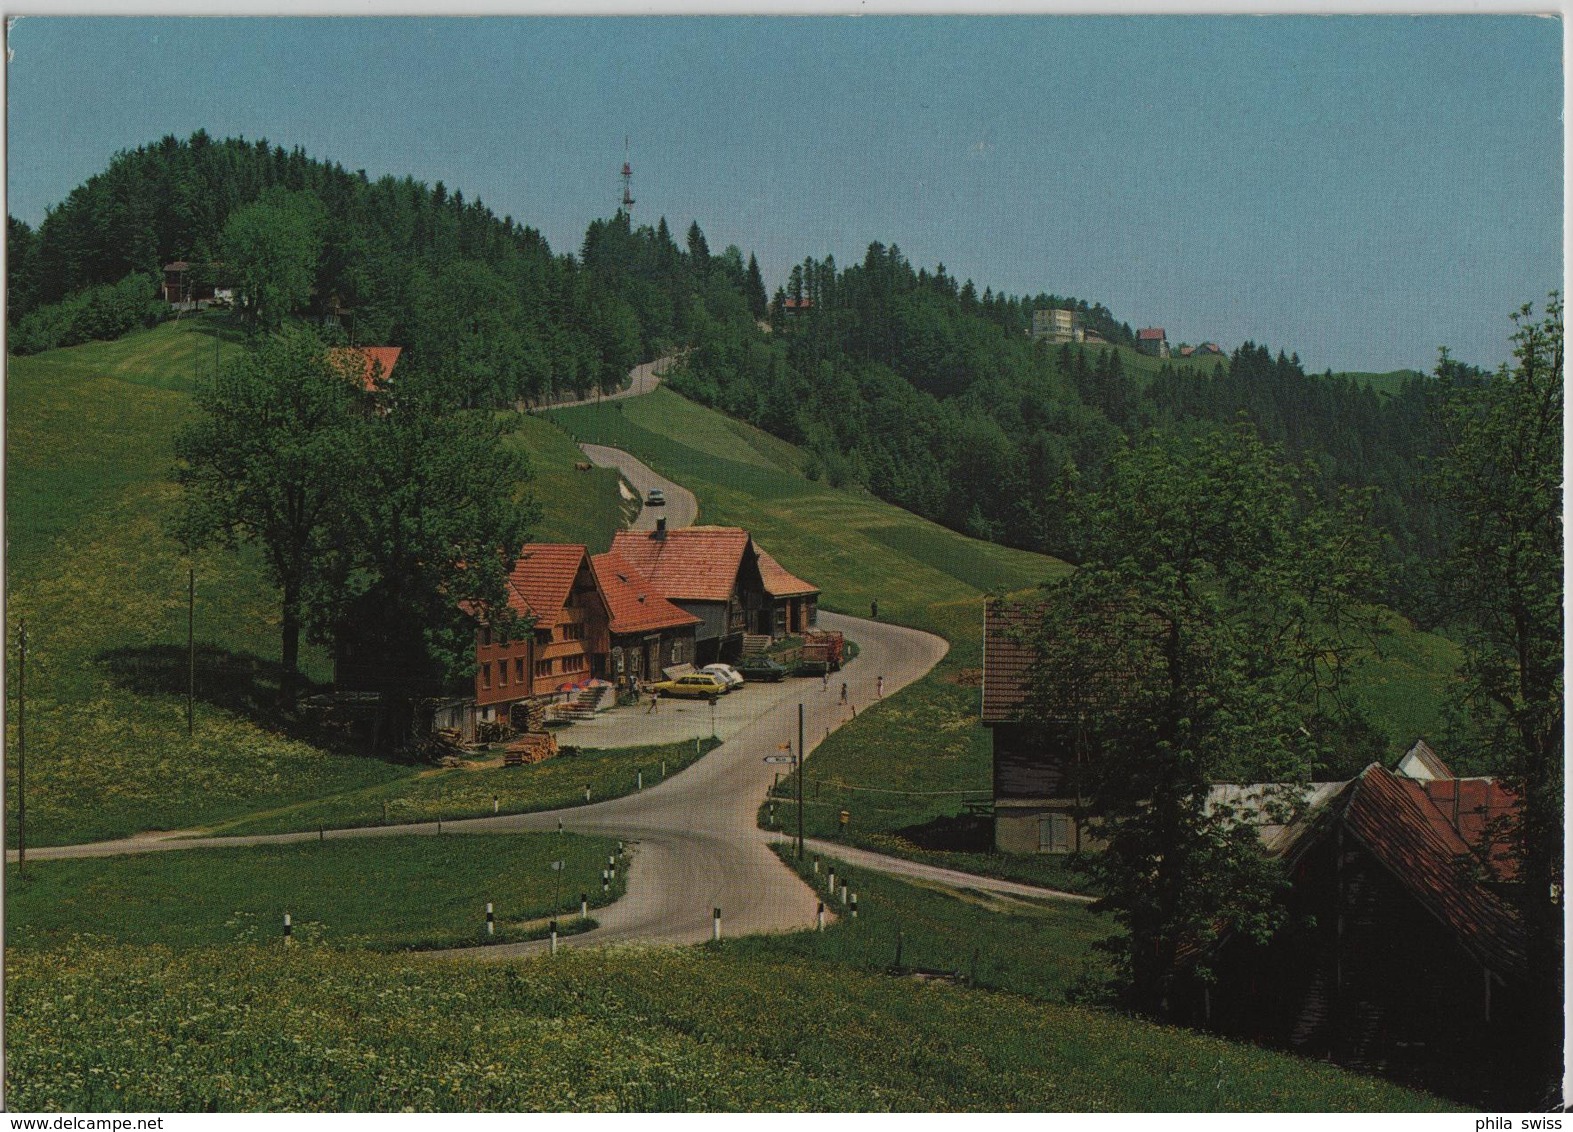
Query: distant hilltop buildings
{"points": [[1058, 325]]}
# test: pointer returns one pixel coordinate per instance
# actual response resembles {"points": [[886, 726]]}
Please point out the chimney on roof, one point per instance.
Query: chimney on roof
{"points": [[660, 530]]}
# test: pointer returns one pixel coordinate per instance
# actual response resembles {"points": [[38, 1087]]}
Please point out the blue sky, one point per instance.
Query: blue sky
{"points": [[1361, 190]]}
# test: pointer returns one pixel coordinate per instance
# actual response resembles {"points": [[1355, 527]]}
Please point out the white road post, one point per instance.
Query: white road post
{"points": [[715, 925], [584, 906], [843, 892], [288, 930], [554, 938], [819, 918], [491, 921]]}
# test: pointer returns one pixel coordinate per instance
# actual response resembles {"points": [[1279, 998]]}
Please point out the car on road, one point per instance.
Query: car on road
{"points": [[732, 677], [699, 685], [761, 668], [655, 498]]}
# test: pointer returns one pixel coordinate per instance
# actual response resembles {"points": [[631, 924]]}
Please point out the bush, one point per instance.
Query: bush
{"points": [[96, 313]]}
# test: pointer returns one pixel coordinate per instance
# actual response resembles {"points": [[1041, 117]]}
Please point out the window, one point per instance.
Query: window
{"points": [[502, 673], [543, 668], [573, 664], [543, 636], [518, 670], [1054, 833], [486, 675], [486, 635], [573, 632]]}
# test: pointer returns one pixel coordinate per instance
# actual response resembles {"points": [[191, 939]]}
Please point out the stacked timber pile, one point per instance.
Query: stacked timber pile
{"points": [[530, 716], [531, 747], [442, 744]]}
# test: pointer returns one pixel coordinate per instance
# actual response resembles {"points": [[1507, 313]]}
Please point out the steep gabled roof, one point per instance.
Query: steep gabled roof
{"points": [[688, 564], [1150, 334], [543, 577], [632, 600], [369, 359], [1397, 822], [778, 582], [1006, 659]]}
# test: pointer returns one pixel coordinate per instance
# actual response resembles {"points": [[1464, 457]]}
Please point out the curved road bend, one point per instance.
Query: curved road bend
{"points": [[681, 507]]}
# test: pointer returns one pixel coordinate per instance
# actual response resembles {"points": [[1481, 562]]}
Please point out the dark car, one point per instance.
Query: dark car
{"points": [[760, 668]]}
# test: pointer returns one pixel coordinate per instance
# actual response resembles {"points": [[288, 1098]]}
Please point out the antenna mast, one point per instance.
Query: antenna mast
{"points": [[628, 182]]}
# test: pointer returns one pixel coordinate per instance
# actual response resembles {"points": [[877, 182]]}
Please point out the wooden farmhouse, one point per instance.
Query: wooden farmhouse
{"points": [[647, 633], [1399, 954], [710, 572], [1037, 792]]}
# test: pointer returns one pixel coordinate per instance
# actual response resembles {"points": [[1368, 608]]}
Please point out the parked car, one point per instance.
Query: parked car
{"points": [[655, 498], [700, 685], [761, 668], [732, 677]]}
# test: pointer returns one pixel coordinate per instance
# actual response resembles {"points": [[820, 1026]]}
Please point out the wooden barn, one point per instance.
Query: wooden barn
{"points": [[792, 605], [1399, 955], [647, 633]]}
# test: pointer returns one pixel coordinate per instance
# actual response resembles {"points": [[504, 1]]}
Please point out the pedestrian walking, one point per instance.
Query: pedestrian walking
{"points": [[879, 687], [843, 693], [655, 702], [826, 675]]}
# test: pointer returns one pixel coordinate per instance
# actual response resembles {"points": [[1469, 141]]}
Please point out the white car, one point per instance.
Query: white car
{"points": [[726, 673]]}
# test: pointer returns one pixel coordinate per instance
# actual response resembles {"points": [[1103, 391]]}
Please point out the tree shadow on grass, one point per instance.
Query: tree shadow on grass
{"points": [[242, 684], [952, 833]]}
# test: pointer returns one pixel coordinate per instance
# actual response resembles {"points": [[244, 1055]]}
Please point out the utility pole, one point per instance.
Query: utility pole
{"points": [[191, 650], [801, 770], [21, 752]]}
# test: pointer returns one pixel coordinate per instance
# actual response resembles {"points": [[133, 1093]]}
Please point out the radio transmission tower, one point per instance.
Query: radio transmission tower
{"points": [[628, 183]]}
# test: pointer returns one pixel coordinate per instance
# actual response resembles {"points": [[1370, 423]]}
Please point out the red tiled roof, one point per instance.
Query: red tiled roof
{"points": [[778, 582], [1483, 806], [370, 358], [635, 605], [688, 564], [799, 304], [1151, 334], [1006, 660], [543, 577], [1397, 821], [178, 265]]}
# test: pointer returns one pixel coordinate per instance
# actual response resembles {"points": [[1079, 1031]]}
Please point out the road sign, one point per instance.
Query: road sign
{"points": [[780, 759]]}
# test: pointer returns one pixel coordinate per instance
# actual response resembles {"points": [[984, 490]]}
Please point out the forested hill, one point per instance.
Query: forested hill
{"points": [[900, 379]]}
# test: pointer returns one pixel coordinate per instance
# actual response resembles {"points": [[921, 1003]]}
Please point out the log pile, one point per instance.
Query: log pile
{"points": [[531, 747]]}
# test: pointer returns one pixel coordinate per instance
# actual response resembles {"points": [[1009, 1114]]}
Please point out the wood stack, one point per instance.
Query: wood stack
{"points": [[531, 747], [529, 716]]}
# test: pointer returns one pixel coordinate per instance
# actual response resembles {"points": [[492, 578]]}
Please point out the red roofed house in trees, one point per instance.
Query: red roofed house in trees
{"points": [[370, 364], [1154, 341], [712, 573], [1399, 953], [647, 633], [554, 585]]}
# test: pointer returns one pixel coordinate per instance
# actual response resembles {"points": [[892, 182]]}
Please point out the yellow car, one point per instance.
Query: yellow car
{"points": [[699, 684]]}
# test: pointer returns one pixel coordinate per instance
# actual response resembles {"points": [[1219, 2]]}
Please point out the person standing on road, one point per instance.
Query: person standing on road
{"points": [[873, 610], [879, 687], [826, 674], [843, 693], [655, 702]]}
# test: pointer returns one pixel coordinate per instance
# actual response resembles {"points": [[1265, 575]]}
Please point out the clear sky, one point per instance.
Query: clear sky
{"points": [[1361, 190]]}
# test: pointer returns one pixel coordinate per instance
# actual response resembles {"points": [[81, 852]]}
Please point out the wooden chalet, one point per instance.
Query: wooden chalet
{"points": [[710, 572], [647, 633], [554, 585], [1398, 954], [793, 604]]}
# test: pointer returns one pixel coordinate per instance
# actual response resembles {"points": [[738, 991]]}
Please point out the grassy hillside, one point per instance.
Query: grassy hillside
{"points": [[341, 893], [103, 592], [264, 1028]]}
